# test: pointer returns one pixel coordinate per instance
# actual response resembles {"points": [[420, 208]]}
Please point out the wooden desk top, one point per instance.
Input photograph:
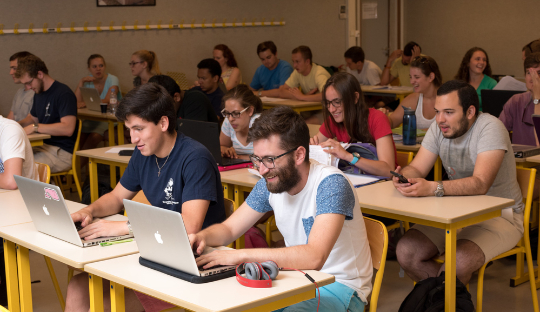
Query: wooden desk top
{"points": [[289, 102], [222, 295], [85, 112], [26, 235], [407, 148], [533, 159], [100, 153], [38, 136], [448, 209], [14, 210], [239, 177], [388, 90]]}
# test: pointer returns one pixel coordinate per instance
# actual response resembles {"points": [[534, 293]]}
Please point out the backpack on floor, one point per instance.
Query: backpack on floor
{"points": [[428, 296]]}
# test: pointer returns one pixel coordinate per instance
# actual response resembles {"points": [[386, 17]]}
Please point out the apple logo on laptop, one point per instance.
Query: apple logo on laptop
{"points": [[158, 237], [91, 99], [45, 209]]}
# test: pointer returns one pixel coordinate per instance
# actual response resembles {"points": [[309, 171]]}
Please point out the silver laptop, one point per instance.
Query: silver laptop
{"points": [[51, 216], [91, 99], [162, 238]]}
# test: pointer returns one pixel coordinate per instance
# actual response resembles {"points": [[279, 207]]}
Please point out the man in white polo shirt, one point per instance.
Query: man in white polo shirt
{"points": [[16, 155]]}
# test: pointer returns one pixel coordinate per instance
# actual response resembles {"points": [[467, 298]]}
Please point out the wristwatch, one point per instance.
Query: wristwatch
{"points": [[35, 128], [129, 228], [536, 101], [355, 159], [439, 192]]}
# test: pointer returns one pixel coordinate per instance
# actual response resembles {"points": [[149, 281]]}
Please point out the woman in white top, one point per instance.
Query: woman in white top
{"points": [[240, 108], [426, 80]]}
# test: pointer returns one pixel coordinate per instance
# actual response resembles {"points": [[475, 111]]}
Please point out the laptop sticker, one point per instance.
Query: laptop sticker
{"points": [[51, 194]]}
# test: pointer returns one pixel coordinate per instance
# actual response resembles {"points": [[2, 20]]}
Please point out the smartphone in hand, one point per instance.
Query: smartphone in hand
{"points": [[401, 178]]}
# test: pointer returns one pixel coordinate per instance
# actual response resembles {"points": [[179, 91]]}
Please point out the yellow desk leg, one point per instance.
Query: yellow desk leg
{"points": [[239, 199], [437, 170], [55, 283], [10, 258], [450, 274], [36, 143], [117, 298], [96, 293], [122, 169], [25, 286], [120, 129], [400, 97], [228, 191], [92, 171]]}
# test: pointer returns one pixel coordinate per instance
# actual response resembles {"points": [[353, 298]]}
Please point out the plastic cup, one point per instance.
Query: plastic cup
{"points": [[103, 108]]}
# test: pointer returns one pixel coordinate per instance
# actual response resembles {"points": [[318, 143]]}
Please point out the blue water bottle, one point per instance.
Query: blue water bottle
{"points": [[409, 126]]}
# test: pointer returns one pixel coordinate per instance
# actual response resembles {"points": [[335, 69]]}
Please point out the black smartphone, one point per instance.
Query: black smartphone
{"points": [[401, 178], [125, 153]]}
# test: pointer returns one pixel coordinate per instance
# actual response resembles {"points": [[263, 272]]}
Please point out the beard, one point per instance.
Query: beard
{"points": [[288, 177], [461, 130]]}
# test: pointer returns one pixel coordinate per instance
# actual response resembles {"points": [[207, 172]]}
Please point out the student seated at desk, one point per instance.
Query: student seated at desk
{"points": [[397, 64], [321, 221], [174, 171], [104, 83], [367, 72], [476, 71], [272, 73], [348, 119], [240, 109], [16, 155], [24, 98], [144, 64], [230, 74], [190, 104], [477, 154], [54, 112], [425, 78], [208, 74]]}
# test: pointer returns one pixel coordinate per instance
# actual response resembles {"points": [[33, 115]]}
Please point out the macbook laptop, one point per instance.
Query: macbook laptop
{"points": [[164, 244], [207, 133], [51, 216], [91, 99]]}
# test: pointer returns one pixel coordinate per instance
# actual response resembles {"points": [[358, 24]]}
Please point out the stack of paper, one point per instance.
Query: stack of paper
{"points": [[316, 152], [362, 179]]}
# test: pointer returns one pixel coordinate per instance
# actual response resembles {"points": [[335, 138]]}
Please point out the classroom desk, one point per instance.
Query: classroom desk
{"points": [[36, 139], [290, 287], [449, 212], [297, 106], [99, 156], [398, 92], [437, 168], [239, 181], [86, 114]]}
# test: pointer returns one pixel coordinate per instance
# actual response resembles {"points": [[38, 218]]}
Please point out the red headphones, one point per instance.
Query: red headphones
{"points": [[258, 275]]}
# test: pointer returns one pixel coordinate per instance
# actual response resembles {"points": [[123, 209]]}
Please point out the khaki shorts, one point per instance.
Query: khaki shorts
{"points": [[58, 159], [493, 236]]}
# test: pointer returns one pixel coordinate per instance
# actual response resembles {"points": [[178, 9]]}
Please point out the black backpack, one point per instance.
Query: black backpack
{"points": [[428, 296]]}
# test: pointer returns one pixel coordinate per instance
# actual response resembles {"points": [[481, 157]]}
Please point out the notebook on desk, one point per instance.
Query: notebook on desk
{"points": [[164, 244], [51, 216], [207, 133]]}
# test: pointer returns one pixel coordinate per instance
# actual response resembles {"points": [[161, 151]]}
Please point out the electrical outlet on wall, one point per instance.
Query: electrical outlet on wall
{"points": [[342, 11]]}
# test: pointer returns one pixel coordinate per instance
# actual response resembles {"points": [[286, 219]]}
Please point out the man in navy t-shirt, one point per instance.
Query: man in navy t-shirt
{"points": [[54, 112], [174, 171]]}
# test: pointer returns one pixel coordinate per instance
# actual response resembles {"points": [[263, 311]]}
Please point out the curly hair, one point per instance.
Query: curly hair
{"points": [[463, 71], [227, 54]]}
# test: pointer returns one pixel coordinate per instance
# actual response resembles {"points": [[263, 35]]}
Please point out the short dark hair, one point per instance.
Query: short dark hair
{"points": [[284, 122], [95, 56], [466, 93], [19, 55], [243, 94], [356, 54], [31, 65], [531, 47], [166, 82], [149, 102], [408, 49], [532, 60], [428, 65], [305, 51], [267, 45], [212, 65]]}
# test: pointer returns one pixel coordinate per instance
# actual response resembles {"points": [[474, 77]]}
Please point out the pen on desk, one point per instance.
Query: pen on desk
{"points": [[105, 244]]}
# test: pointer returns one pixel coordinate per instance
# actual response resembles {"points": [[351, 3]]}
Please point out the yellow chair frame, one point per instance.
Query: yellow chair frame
{"points": [[2, 309], [73, 170], [526, 178], [377, 235]]}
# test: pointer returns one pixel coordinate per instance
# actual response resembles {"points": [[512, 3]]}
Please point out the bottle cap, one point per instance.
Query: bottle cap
{"points": [[408, 111]]}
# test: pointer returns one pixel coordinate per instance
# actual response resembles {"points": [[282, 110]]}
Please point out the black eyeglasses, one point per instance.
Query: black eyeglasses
{"points": [[235, 114], [29, 83], [133, 63], [268, 161], [335, 102]]}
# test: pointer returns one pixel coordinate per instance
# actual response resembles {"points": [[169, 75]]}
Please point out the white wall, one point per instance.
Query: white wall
{"points": [[313, 23]]}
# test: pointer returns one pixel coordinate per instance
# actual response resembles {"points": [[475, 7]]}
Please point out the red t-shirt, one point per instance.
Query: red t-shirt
{"points": [[378, 125]]}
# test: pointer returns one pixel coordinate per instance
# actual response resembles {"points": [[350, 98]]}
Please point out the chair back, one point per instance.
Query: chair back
{"points": [[526, 178], [378, 244], [43, 172], [180, 79], [404, 158], [230, 207]]}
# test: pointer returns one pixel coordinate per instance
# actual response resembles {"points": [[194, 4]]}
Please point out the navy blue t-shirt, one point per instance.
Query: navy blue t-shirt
{"points": [[190, 173], [214, 97], [50, 106]]}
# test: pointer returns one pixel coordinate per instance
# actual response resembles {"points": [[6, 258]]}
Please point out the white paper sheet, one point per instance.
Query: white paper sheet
{"points": [[317, 153], [360, 179]]}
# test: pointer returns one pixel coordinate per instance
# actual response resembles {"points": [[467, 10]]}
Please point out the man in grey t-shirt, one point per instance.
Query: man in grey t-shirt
{"points": [[24, 98], [477, 154]]}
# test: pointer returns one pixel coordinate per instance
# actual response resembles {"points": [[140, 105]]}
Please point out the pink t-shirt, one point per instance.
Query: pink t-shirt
{"points": [[377, 123]]}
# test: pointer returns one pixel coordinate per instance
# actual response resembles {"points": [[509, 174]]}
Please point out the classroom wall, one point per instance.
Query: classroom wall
{"points": [[447, 29], [314, 23]]}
